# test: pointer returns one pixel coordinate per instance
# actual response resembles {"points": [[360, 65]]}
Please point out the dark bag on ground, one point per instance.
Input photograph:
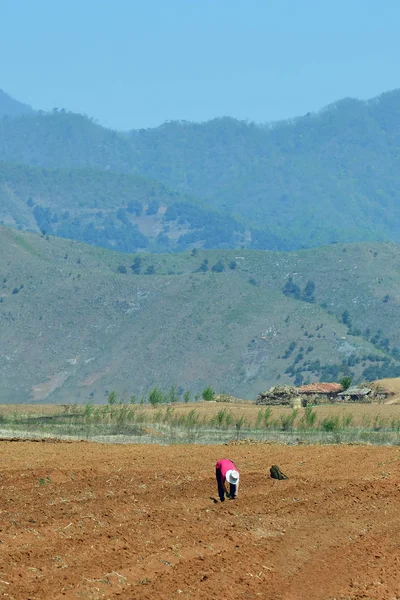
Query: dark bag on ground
{"points": [[276, 473]]}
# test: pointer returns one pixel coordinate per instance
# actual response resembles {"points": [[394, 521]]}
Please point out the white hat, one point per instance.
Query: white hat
{"points": [[232, 477]]}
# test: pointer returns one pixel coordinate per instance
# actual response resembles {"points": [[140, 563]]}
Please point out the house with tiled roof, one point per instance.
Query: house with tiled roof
{"points": [[319, 392]]}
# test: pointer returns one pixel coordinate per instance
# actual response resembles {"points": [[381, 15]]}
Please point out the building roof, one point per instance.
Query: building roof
{"points": [[320, 388], [356, 391]]}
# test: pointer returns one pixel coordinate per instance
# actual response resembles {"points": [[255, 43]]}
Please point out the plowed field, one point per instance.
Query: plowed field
{"points": [[84, 520]]}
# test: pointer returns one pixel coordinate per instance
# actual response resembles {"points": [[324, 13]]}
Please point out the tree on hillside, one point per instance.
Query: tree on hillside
{"points": [[204, 266], [346, 318], [137, 265], [153, 207], [135, 207], [122, 216], [291, 289], [218, 267], [308, 292]]}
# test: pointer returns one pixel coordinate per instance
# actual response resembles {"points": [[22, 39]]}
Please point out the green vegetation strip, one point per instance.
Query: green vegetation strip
{"points": [[167, 425]]}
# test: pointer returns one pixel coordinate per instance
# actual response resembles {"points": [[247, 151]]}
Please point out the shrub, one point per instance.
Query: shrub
{"points": [[346, 318], [192, 418], [112, 398], [156, 396], [378, 423], [223, 418], [89, 409], [287, 421], [218, 267], [308, 292], [169, 414], [345, 382], [208, 394], [331, 423], [309, 417], [173, 394], [204, 266], [121, 269], [347, 420], [291, 289], [137, 265], [264, 417]]}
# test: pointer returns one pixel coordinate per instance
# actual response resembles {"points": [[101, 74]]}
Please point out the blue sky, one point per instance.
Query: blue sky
{"points": [[133, 64]]}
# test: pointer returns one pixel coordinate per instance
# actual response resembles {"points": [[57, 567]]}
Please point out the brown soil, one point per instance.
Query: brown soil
{"points": [[83, 520]]}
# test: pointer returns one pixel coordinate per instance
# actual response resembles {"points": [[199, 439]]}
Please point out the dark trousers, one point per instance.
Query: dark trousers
{"points": [[221, 489]]}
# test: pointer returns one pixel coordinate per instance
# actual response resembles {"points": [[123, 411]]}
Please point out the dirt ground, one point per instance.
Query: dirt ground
{"points": [[85, 520]]}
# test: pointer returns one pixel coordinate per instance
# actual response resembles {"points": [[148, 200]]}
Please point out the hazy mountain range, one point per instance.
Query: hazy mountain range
{"points": [[322, 178], [206, 298]]}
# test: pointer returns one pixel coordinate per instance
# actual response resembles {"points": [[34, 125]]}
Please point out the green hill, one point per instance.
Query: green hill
{"points": [[112, 210], [330, 176], [327, 177], [77, 321]]}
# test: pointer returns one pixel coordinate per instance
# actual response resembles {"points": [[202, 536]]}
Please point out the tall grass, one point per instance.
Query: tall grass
{"points": [[117, 421]]}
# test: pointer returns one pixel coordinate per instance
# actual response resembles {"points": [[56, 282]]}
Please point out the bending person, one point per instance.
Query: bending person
{"points": [[227, 479]]}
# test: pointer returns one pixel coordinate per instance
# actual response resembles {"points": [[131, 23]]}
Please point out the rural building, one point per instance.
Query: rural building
{"points": [[279, 395], [364, 393], [356, 394], [317, 393]]}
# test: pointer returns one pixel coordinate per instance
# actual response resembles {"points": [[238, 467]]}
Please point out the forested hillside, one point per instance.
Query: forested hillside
{"points": [[113, 210], [331, 176], [322, 178]]}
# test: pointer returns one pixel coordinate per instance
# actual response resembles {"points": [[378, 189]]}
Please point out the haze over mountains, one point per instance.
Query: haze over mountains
{"points": [[323, 178], [77, 321]]}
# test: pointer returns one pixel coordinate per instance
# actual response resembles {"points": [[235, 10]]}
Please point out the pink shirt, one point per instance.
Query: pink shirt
{"points": [[224, 465]]}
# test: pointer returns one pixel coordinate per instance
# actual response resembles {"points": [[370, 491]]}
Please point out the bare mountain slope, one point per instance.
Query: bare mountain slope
{"points": [[74, 325]]}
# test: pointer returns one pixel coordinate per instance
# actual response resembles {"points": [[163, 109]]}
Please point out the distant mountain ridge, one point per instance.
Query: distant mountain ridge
{"points": [[9, 107], [327, 177]]}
